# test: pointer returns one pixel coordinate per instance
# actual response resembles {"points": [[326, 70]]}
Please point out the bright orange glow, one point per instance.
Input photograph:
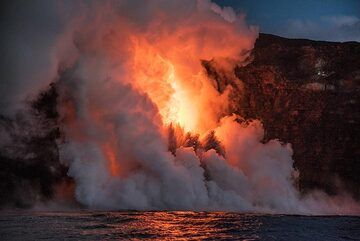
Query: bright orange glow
{"points": [[179, 88], [157, 77]]}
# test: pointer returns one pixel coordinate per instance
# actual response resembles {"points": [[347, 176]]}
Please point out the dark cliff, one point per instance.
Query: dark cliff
{"points": [[306, 93]]}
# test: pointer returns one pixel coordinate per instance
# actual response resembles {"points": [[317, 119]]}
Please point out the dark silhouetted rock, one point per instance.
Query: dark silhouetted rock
{"points": [[306, 93], [30, 167]]}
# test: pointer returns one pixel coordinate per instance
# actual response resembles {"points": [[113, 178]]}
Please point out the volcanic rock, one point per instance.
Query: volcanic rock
{"points": [[306, 93]]}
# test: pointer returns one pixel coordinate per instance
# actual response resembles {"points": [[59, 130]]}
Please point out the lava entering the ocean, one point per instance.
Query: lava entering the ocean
{"points": [[148, 129]]}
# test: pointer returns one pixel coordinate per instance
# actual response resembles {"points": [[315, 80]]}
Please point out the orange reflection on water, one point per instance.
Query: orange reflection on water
{"points": [[188, 225]]}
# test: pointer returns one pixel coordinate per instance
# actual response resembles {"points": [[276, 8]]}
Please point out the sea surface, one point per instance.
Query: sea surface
{"points": [[174, 226]]}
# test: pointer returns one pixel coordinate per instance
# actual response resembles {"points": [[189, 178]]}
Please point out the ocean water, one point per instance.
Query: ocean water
{"points": [[174, 226]]}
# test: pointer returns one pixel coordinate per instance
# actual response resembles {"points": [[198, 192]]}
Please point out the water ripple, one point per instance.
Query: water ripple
{"points": [[174, 226]]}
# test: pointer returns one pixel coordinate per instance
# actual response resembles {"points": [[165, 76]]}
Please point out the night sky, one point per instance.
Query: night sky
{"points": [[333, 20]]}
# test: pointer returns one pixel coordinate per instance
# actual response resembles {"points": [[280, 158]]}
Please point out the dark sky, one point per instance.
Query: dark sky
{"points": [[336, 20]]}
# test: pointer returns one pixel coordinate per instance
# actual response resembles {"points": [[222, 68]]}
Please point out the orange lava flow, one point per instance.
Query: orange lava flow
{"points": [[110, 155]]}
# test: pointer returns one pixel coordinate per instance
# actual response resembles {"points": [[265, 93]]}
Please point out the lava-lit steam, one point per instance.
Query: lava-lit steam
{"points": [[164, 60], [144, 126]]}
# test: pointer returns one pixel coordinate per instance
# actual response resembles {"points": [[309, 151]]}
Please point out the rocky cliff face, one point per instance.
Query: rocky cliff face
{"points": [[306, 93]]}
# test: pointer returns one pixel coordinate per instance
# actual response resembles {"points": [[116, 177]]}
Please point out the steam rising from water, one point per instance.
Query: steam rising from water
{"points": [[132, 74]]}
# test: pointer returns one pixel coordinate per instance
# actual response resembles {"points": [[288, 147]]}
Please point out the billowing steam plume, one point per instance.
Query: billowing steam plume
{"points": [[144, 125]]}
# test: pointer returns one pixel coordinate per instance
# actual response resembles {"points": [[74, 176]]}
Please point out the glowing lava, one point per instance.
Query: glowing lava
{"points": [[158, 78]]}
